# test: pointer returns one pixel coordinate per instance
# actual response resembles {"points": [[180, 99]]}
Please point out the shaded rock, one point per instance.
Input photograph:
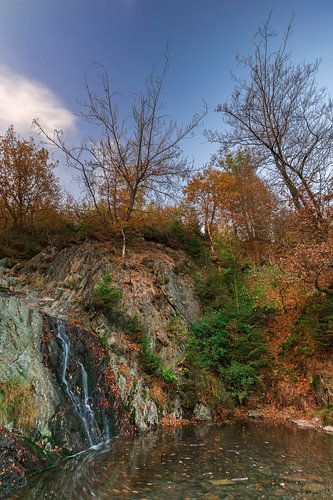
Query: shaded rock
{"points": [[3, 263], [322, 386], [202, 412], [19, 459]]}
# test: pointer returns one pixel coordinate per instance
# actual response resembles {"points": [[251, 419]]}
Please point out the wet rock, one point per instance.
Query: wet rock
{"points": [[3, 263], [146, 414], [304, 424], [202, 412]]}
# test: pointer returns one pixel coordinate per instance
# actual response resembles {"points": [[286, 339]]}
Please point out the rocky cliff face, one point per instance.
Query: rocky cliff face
{"points": [[22, 368], [157, 293]]}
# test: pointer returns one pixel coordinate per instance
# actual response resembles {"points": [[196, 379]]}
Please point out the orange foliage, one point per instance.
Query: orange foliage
{"points": [[28, 188], [232, 195]]}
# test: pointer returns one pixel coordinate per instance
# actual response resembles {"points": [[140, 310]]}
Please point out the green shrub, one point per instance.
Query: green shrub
{"points": [[188, 239], [168, 374], [199, 383], [240, 380], [105, 297], [132, 324], [325, 414], [213, 287], [233, 349], [153, 363]]}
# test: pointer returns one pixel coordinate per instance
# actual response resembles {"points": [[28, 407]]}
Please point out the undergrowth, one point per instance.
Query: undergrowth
{"points": [[105, 298], [17, 406], [227, 340], [153, 363], [313, 330]]}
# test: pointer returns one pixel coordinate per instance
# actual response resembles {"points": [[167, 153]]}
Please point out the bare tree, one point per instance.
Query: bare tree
{"points": [[280, 113], [135, 159]]}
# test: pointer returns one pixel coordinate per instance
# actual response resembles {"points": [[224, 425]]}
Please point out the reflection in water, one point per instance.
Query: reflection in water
{"points": [[212, 462]]}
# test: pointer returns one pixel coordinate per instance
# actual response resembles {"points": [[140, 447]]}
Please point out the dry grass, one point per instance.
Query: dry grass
{"points": [[17, 405], [157, 392]]}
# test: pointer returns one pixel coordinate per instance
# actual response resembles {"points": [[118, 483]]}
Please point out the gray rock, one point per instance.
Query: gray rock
{"points": [[177, 409], [322, 386], [202, 412], [21, 358], [156, 287], [304, 424], [254, 414]]}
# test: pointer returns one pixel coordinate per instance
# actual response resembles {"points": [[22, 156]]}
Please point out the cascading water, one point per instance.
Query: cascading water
{"points": [[80, 401]]}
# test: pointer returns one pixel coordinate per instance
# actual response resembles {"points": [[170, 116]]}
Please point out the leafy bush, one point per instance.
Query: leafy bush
{"points": [[168, 375], [189, 240], [201, 384], [213, 287], [105, 297], [240, 380], [153, 362], [235, 350], [325, 414]]}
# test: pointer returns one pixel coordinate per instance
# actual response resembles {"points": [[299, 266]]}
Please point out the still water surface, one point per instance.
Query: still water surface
{"points": [[212, 462]]}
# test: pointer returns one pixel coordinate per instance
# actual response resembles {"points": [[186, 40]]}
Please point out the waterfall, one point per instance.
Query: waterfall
{"points": [[81, 401]]}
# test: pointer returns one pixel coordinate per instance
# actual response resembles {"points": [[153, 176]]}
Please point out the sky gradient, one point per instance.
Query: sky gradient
{"points": [[49, 47]]}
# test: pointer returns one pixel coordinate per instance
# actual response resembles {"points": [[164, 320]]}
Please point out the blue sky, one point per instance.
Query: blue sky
{"points": [[48, 47]]}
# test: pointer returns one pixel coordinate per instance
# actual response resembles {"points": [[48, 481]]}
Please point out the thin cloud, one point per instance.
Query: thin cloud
{"points": [[23, 99]]}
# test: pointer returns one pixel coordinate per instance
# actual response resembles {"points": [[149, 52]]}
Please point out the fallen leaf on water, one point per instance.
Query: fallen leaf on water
{"points": [[221, 482]]}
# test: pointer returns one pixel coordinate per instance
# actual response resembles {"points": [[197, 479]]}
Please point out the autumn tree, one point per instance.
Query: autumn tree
{"points": [[205, 192], [230, 194], [27, 181], [285, 119], [134, 160]]}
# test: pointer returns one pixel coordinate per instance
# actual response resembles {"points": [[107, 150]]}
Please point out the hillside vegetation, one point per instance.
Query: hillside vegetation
{"points": [[256, 224]]}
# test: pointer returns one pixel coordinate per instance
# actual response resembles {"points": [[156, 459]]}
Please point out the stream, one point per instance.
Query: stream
{"points": [[253, 460]]}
